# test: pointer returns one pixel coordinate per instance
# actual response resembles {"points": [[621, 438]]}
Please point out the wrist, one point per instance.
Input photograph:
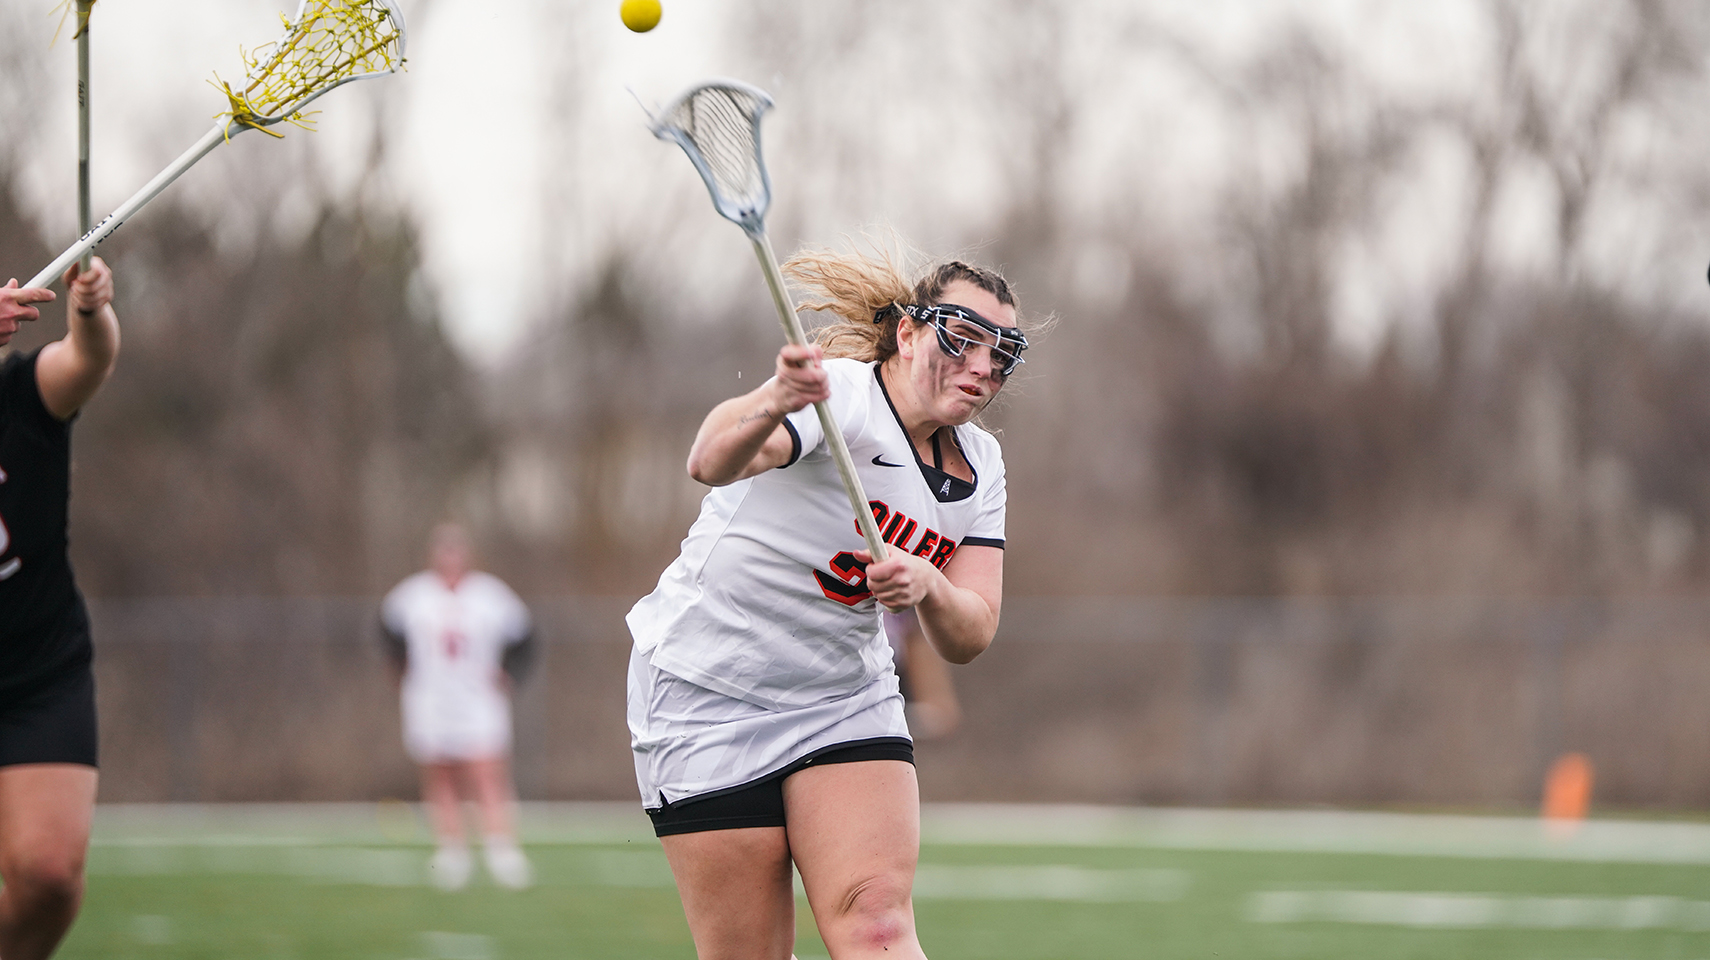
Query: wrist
{"points": [[767, 411], [936, 585], [775, 402]]}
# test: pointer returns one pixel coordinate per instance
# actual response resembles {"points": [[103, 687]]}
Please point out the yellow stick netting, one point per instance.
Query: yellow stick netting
{"points": [[329, 42], [64, 10]]}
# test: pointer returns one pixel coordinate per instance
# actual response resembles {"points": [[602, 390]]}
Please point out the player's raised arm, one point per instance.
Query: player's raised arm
{"points": [[745, 435], [71, 369]]}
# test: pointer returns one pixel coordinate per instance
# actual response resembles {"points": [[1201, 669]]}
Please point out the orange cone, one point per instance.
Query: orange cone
{"points": [[1567, 793]]}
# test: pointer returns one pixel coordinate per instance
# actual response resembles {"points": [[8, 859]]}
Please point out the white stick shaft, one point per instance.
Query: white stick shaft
{"points": [[85, 215], [833, 434], [150, 190]]}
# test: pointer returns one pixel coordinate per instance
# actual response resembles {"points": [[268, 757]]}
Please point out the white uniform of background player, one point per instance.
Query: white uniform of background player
{"points": [[459, 636]]}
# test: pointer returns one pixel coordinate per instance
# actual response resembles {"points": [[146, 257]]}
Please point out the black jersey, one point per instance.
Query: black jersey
{"points": [[44, 628]]}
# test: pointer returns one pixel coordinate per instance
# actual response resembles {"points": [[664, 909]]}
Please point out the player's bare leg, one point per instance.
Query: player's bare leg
{"points": [[855, 835], [45, 814], [736, 890], [451, 864], [439, 790], [490, 780]]}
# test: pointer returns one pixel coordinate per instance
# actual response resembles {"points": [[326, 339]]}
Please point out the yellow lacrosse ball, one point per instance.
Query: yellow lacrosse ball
{"points": [[640, 15]]}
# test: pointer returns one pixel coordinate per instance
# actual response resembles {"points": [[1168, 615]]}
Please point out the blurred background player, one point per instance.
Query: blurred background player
{"points": [[460, 639], [47, 690], [929, 695]]}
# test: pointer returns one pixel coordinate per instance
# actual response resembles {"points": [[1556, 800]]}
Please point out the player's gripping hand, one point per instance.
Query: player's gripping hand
{"points": [[92, 290], [801, 380], [900, 580], [15, 306]]}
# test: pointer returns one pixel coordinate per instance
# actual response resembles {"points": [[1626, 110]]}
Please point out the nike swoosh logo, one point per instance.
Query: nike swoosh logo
{"points": [[880, 463]]}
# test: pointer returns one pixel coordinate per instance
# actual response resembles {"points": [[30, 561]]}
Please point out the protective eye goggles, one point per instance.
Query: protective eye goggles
{"points": [[1006, 343]]}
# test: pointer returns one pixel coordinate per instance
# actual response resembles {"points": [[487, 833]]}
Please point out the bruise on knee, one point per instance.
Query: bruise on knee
{"points": [[876, 910]]}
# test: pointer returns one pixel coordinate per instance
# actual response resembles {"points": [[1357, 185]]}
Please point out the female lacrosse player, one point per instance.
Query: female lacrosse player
{"points": [[764, 713], [47, 692], [460, 638]]}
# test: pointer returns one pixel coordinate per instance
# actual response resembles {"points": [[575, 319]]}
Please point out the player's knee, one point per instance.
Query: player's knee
{"points": [[47, 881], [875, 912]]}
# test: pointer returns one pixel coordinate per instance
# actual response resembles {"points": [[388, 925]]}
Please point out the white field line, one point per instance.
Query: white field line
{"points": [[1077, 884], [322, 864], [1465, 911], [622, 868], [943, 882], [1279, 831], [437, 945], [1317, 831]]}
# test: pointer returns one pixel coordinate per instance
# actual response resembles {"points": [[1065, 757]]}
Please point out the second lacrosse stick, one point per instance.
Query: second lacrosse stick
{"points": [[327, 44]]}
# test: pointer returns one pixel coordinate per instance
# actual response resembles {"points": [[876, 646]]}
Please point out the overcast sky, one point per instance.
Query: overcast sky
{"points": [[516, 139]]}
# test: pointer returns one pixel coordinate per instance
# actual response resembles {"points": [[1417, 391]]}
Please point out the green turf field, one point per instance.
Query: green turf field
{"points": [[273, 882]]}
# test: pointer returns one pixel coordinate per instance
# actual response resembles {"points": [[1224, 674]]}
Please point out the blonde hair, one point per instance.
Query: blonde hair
{"points": [[865, 291]]}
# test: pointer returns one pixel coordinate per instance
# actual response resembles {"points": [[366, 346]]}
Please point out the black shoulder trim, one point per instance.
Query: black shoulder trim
{"points": [[397, 648], [518, 657], [795, 442], [981, 542]]}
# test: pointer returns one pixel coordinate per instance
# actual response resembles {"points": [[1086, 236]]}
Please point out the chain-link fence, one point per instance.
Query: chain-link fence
{"points": [[1217, 701]]}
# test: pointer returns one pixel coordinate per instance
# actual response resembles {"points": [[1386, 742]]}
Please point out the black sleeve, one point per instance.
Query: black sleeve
{"points": [[397, 650], [21, 397], [519, 656]]}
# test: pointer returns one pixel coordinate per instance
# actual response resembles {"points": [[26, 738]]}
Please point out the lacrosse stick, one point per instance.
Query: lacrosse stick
{"points": [[327, 44], [85, 215], [718, 125]]}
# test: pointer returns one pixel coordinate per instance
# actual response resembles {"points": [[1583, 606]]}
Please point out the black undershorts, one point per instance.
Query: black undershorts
{"points": [[53, 723], [760, 803]]}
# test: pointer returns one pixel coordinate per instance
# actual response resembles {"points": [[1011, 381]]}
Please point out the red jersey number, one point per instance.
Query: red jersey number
{"points": [[847, 582], [11, 566]]}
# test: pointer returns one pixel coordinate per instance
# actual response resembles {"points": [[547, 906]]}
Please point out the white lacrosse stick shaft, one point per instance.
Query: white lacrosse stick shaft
{"points": [[833, 434], [150, 190], [85, 214]]}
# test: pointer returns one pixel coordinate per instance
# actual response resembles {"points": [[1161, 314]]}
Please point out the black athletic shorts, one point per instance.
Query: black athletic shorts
{"points": [[54, 723], [760, 803]]}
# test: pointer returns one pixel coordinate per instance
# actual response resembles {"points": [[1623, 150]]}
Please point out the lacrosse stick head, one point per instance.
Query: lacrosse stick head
{"points": [[717, 124], [327, 43], [68, 7]]}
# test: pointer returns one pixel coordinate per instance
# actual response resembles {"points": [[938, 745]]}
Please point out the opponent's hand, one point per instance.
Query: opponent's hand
{"points": [[899, 581], [801, 380], [15, 306], [89, 291]]}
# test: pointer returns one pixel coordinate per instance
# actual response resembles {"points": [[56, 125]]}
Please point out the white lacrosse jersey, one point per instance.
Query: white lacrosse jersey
{"points": [[767, 603], [455, 640]]}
